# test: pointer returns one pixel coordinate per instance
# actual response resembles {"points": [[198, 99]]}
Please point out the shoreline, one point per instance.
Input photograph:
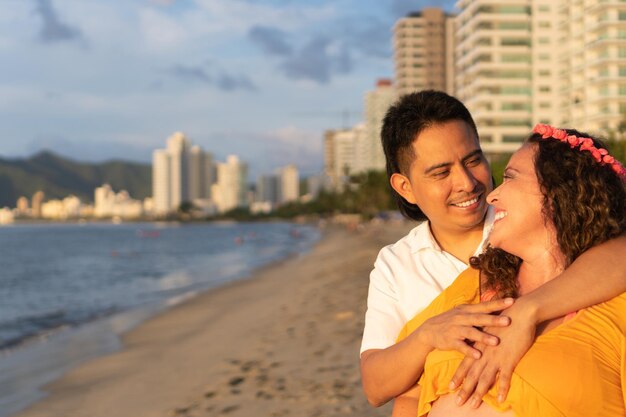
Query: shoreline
{"points": [[277, 341]]}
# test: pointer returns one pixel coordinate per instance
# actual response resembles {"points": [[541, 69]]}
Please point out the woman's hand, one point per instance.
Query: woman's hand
{"points": [[456, 329], [477, 376]]}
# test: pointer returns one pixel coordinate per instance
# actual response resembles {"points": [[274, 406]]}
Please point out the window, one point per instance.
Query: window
{"points": [[604, 90], [515, 42], [515, 58], [515, 106], [512, 138], [513, 25]]}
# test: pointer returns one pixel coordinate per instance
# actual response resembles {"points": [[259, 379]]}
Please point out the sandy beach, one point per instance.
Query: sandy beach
{"points": [[282, 343]]}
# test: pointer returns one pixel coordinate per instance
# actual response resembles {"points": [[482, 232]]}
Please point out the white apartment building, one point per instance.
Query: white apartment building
{"points": [[522, 62], [201, 174], [230, 190], [267, 189], [6, 216], [377, 103], [108, 203], [161, 181], [288, 184], [178, 147], [180, 173], [341, 155], [592, 58], [69, 207], [495, 68], [423, 44]]}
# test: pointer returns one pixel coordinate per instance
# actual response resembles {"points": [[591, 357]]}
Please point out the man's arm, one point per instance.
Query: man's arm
{"points": [[596, 276], [387, 373]]}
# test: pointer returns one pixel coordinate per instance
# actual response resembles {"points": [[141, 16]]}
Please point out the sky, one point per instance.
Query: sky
{"points": [[96, 80]]}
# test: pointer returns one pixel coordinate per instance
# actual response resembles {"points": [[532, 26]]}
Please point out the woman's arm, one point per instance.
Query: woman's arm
{"points": [[406, 405], [387, 373], [596, 276]]}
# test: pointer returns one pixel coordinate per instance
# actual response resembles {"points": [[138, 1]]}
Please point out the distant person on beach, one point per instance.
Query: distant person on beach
{"points": [[562, 194], [440, 176]]}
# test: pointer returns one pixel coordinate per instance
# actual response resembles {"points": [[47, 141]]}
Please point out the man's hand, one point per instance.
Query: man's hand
{"points": [[456, 329], [477, 376]]}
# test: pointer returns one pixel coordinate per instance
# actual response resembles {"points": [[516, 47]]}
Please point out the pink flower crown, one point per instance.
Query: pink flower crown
{"points": [[584, 144]]}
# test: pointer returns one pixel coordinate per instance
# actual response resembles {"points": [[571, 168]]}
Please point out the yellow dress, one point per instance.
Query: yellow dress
{"points": [[576, 369]]}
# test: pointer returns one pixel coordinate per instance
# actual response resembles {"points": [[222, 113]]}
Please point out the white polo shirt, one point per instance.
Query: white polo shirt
{"points": [[407, 276]]}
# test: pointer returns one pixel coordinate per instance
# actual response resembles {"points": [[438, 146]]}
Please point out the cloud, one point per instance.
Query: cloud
{"points": [[188, 73], [219, 79], [53, 30], [317, 61], [226, 82], [270, 40], [161, 32], [267, 150], [369, 36]]}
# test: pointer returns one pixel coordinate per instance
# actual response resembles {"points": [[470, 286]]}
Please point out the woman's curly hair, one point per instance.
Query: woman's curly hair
{"points": [[584, 200]]}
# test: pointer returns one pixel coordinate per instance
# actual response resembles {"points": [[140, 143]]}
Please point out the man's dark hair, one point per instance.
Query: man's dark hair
{"points": [[404, 121]]}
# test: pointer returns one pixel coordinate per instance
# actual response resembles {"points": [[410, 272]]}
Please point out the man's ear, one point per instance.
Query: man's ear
{"points": [[402, 185]]}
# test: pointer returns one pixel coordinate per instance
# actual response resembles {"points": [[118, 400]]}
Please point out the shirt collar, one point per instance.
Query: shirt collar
{"points": [[423, 239]]}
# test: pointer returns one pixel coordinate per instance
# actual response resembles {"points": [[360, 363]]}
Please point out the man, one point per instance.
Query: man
{"points": [[439, 173]]}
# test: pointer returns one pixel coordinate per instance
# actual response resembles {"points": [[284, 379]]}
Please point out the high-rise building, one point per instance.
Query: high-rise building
{"points": [[231, 189], [267, 189], [181, 173], [201, 174], [161, 182], [341, 156], [288, 184], [178, 147], [37, 201], [494, 69], [541, 61], [377, 103], [107, 203], [592, 63], [422, 51], [22, 205]]}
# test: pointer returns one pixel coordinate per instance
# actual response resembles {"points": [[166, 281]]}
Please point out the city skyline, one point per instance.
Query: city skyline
{"points": [[96, 81]]}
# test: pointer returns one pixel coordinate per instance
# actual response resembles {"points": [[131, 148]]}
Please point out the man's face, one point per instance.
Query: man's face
{"points": [[449, 177]]}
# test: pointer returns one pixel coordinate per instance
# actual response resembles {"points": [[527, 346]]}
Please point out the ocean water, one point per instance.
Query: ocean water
{"points": [[80, 286]]}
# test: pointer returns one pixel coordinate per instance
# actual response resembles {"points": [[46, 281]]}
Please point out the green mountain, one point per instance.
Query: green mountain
{"points": [[59, 177]]}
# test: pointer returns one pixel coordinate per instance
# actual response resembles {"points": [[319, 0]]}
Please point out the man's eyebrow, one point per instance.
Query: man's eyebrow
{"points": [[470, 155], [477, 152], [434, 167]]}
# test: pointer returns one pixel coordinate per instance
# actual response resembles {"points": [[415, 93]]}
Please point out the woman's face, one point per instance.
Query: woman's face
{"points": [[519, 222]]}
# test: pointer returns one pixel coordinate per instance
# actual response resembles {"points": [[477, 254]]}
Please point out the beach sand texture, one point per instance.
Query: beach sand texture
{"points": [[284, 343]]}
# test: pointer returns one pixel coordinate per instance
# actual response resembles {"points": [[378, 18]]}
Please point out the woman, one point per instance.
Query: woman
{"points": [[562, 194]]}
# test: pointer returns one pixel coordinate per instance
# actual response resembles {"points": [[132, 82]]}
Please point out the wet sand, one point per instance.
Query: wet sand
{"points": [[283, 343]]}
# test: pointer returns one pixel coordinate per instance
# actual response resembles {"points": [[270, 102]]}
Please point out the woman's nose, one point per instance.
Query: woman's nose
{"points": [[493, 196]]}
